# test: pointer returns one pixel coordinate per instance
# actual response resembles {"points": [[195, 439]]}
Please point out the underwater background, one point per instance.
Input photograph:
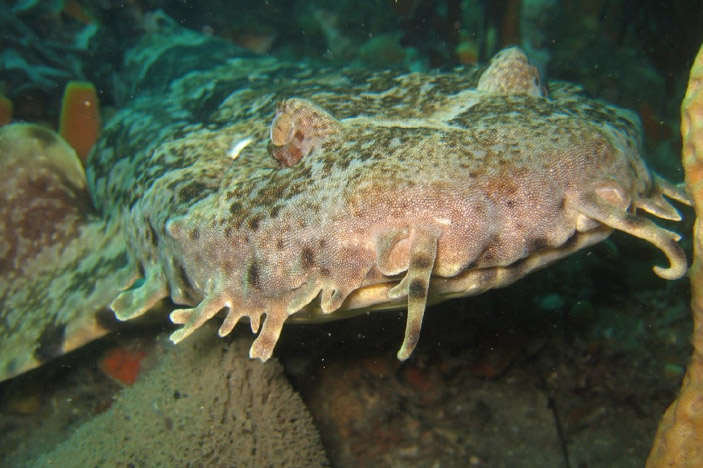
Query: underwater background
{"points": [[571, 366]]}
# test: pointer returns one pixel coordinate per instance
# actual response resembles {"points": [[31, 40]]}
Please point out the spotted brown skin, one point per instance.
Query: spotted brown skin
{"points": [[382, 190], [53, 285], [280, 193]]}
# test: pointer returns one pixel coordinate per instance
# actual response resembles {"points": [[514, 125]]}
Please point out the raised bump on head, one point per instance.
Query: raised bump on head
{"points": [[510, 72], [298, 128]]}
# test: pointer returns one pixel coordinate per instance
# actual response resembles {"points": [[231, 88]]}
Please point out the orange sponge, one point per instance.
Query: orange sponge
{"points": [[5, 111], [80, 117], [122, 364]]}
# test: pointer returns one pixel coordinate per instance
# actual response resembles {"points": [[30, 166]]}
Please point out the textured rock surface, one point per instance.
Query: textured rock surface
{"points": [[204, 405]]}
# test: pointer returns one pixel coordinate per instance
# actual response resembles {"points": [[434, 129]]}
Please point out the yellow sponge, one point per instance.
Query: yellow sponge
{"points": [[679, 439]]}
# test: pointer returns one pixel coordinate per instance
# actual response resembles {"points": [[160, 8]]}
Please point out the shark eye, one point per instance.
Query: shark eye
{"points": [[298, 129], [282, 129]]}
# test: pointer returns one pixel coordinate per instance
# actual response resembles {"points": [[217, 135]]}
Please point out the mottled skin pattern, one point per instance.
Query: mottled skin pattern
{"points": [[277, 192], [59, 260]]}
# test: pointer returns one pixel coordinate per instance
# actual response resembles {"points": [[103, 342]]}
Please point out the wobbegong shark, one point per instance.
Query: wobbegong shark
{"points": [[271, 192]]}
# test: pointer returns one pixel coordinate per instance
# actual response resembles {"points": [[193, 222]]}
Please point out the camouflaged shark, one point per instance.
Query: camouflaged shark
{"points": [[276, 192]]}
